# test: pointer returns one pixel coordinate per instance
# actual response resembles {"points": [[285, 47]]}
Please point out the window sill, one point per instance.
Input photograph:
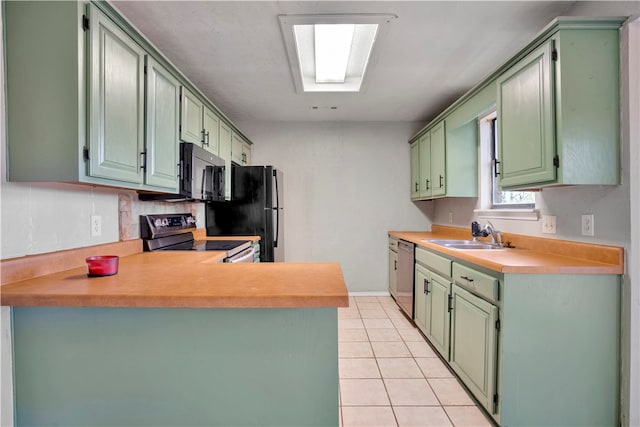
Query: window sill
{"points": [[513, 214]]}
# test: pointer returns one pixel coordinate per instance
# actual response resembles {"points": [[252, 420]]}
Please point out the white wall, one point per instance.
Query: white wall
{"points": [[346, 185]]}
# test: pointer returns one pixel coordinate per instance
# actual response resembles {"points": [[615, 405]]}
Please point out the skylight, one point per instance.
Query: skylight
{"points": [[332, 48], [330, 53]]}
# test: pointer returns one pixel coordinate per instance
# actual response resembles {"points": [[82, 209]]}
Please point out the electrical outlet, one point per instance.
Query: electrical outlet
{"points": [[588, 225], [549, 224], [96, 225], [450, 217]]}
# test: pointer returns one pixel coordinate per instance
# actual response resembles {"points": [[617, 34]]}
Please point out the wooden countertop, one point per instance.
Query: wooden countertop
{"points": [[532, 255], [186, 279]]}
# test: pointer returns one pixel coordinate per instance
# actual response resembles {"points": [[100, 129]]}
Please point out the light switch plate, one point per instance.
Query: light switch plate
{"points": [[549, 223], [588, 225]]}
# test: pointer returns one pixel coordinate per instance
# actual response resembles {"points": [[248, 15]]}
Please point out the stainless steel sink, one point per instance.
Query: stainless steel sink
{"points": [[465, 244]]}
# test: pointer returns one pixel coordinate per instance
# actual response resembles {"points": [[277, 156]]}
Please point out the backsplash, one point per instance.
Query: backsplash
{"points": [[45, 217]]}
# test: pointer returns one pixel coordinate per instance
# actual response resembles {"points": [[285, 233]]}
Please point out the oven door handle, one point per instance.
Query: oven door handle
{"points": [[244, 256]]}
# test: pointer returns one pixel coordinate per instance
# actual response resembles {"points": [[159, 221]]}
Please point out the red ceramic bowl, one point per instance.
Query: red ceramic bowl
{"points": [[105, 265]]}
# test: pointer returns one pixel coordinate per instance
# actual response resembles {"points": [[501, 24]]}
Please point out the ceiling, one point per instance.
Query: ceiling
{"points": [[432, 53]]}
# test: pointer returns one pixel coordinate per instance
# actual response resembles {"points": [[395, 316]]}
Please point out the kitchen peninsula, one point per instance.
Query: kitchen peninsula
{"points": [[178, 339]]}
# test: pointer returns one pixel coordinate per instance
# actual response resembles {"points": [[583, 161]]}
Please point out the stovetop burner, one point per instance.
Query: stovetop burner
{"points": [[171, 232]]}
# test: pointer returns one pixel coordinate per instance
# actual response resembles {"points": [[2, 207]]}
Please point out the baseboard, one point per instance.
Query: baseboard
{"points": [[369, 294]]}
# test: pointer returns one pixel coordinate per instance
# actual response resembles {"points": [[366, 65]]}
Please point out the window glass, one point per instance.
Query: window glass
{"points": [[506, 199]]}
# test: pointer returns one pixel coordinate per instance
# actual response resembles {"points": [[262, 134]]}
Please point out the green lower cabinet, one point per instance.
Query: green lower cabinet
{"points": [[533, 349], [431, 313], [438, 318], [80, 366], [474, 338], [421, 285], [560, 350]]}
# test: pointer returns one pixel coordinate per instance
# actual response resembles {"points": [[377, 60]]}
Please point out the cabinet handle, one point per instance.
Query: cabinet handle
{"points": [[143, 160], [427, 184], [468, 279], [207, 139], [416, 187], [395, 264], [179, 169], [441, 177], [426, 287], [204, 137], [496, 162]]}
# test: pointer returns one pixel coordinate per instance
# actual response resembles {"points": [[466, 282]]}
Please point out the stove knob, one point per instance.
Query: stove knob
{"points": [[157, 222], [165, 222]]}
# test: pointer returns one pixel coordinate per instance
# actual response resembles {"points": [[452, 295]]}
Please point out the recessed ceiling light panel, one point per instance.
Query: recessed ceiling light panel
{"points": [[330, 53]]}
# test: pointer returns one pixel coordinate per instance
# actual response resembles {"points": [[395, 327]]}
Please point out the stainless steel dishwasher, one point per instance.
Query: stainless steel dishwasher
{"points": [[404, 296]]}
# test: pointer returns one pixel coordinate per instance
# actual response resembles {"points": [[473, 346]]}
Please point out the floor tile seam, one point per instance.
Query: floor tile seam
{"points": [[451, 423]]}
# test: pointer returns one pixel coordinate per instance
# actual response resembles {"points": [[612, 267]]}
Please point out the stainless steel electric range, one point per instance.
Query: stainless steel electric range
{"points": [[174, 232]]}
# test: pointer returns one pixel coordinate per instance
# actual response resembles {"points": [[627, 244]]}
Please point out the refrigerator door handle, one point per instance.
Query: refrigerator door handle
{"points": [[277, 209]]}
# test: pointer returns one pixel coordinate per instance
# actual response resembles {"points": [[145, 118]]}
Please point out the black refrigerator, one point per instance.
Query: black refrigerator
{"points": [[255, 209]]}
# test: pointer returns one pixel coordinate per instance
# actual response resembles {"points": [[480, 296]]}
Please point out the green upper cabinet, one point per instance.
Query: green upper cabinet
{"points": [[558, 109], [116, 101], [236, 148], [426, 183], [100, 118], [211, 126], [526, 120], [439, 158], [191, 118], [246, 154], [162, 120], [415, 170]]}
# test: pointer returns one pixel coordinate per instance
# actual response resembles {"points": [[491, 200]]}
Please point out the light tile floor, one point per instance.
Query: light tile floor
{"points": [[390, 376]]}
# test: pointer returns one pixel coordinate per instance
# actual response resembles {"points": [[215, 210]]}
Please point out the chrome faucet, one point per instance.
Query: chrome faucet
{"points": [[487, 230]]}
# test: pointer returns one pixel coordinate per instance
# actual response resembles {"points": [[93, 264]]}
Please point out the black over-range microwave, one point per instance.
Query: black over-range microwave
{"points": [[201, 177]]}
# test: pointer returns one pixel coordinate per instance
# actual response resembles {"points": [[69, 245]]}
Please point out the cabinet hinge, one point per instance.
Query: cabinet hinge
{"points": [[498, 325], [85, 153], [450, 303], [556, 161], [85, 22], [554, 55], [145, 70]]}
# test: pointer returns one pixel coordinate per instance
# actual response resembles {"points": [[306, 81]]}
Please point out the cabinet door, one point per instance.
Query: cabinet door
{"points": [[426, 184], [393, 273], [116, 101], [415, 170], [437, 320], [236, 148], [162, 119], [191, 118], [526, 128], [474, 344], [438, 160], [421, 287], [225, 154], [246, 154], [211, 137]]}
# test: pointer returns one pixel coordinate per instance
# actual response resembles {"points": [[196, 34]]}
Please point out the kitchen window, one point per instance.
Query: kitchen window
{"points": [[505, 199], [495, 203]]}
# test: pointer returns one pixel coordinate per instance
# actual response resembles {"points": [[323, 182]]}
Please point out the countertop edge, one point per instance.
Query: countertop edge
{"points": [[574, 264]]}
